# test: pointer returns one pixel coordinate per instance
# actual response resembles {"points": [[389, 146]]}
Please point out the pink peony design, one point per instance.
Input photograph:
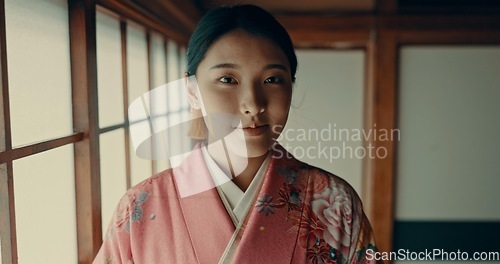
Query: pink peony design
{"points": [[318, 183], [333, 208], [311, 229], [123, 210]]}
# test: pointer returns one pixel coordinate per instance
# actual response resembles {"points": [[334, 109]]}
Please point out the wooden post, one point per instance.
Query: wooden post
{"points": [[82, 22], [8, 216], [123, 37], [381, 116]]}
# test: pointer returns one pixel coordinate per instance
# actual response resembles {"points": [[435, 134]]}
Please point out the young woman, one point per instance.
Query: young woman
{"points": [[239, 197]]}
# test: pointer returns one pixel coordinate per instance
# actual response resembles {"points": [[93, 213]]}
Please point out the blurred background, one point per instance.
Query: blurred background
{"points": [[424, 73]]}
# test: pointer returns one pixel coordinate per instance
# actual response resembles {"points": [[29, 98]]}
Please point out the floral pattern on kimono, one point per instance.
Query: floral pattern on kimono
{"points": [[322, 207], [128, 210]]}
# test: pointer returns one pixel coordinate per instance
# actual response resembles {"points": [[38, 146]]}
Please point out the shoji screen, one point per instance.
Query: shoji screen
{"points": [[138, 84], [327, 98], [37, 35], [159, 78], [111, 112], [448, 157]]}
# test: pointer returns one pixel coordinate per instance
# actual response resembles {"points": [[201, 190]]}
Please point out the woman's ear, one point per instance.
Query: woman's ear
{"points": [[192, 91]]}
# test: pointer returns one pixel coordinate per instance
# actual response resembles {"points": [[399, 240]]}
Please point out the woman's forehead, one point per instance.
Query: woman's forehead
{"points": [[241, 49]]}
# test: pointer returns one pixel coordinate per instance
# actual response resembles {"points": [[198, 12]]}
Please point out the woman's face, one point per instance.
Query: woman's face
{"points": [[245, 87]]}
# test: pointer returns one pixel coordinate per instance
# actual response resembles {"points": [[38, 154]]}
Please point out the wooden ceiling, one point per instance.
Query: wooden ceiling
{"points": [[296, 6], [183, 15], [330, 22]]}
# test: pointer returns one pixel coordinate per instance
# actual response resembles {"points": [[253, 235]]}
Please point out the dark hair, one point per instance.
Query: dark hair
{"points": [[223, 20]]}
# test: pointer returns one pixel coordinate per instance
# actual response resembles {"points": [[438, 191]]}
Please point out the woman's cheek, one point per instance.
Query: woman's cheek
{"points": [[220, 103]]}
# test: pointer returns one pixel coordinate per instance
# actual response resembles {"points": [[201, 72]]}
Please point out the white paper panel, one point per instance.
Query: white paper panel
{"points": [[449, 151], [328, 96], [173, 61], [44, 191], [141, 169], [109, 70], [137, 62], [159, 63], [113, 173], [159, 79], [39, 69]]}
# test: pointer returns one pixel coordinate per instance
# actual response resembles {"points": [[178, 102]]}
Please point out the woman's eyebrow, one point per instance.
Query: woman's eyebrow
{"points": [[236, 66], [276, 66], [225, 65]]}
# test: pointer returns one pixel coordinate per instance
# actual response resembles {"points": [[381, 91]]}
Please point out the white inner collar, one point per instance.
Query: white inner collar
{"points": [[238, 200]]}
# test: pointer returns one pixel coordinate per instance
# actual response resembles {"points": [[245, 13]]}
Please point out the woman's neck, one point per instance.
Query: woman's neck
{"points": [[244, 179], [242, 169]]}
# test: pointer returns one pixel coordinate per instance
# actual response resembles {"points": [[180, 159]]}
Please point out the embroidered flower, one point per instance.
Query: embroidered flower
{"points": [[265, 204], [137, 213], [333, 208], [321, 253], [311, 229], [124, 214], [289, 197]]}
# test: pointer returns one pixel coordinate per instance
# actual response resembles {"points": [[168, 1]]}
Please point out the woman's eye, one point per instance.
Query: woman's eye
{"points": [[227, 79], [274, 79]]}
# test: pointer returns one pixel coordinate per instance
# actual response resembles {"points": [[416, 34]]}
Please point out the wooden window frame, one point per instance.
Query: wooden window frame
{"points": [[82, 35], [7, 221]]}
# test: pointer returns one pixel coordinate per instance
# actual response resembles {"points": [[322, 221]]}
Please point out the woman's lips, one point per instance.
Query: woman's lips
{"points": [[255, 131]]}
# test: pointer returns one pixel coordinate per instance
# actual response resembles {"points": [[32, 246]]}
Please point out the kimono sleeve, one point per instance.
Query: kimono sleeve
{"points": [[345, 234], [116, 247], [365, 248]]}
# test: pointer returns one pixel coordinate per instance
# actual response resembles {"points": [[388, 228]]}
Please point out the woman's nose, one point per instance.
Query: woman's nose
{"points": [[252, 100]]}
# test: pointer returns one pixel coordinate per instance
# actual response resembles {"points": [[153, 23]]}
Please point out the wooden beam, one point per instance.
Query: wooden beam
{"points": [[82, 23], [134, 12], [386, 6], [179, 11], [189, 10], [436, 22], [7, 205], [356, 30], [328, 31], [31, 149], [123, 37], [379, 180], [7, 218], [149, 45], [450, 37]]}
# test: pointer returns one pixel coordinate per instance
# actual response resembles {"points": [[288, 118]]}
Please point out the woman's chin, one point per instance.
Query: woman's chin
{"points": [[257, 152]]}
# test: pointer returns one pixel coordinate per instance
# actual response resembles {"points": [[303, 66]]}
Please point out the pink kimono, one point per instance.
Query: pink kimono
{"points": [[301, 214]]}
